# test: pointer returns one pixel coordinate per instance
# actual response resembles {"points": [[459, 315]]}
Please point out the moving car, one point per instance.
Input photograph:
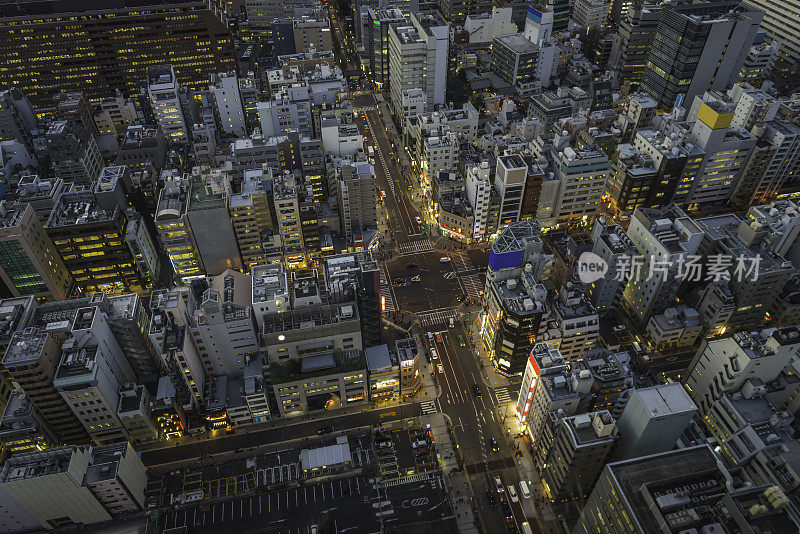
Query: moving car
{"points": [[410, 265], [461, 340], [439, 338], [444, 259], [490, 498], [524, 490], [324, 430], [441, 369], [419, 221], [476, 390], [498, 484], [493, 446], [512, 492], [416, 278], [434, 354], [461, 297]]}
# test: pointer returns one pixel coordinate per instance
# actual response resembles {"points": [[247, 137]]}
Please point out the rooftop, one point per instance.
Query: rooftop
{"points": [[79, 207], [517, 43]]}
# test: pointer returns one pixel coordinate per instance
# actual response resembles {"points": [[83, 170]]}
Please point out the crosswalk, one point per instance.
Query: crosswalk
{"points": [[428, 407], [386, 293], [503, 396], [462, 262], [420, 245], [423, 477], [439, 317], [472, 285]]}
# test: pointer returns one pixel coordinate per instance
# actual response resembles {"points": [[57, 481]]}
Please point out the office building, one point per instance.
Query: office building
{"points": [[225, 88], [456, 11], [782, 26], [287, 210], [174, 230], [574, 451], [88, 229], [76, 485], [663, 237], [135, 413], [675, 328], [653, 420], [590, 13], [758, 286], [324, 381], [121, 29], [185, 382], [521, 63], [478, 190], [29, 262], [509, 180], [22, 428], [633, 40], [222, 325], [547, 387], [577, 321], [632, 179], [384, 374], [163, 90], [515, 308], [418, 60], [31, 360], [312, 32], [17, 118], [410, 360], [142, 145], [611, 243], [675, 491], [716, 37], [482, 28], [758, 355], [74, 156], [92, 365], [357, 201]]}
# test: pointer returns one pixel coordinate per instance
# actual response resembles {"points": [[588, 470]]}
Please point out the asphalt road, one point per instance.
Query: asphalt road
{"points": [[270, 435]]}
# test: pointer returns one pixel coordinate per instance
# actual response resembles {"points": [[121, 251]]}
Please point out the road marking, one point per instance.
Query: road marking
{"points": [[428, 407], [420, 245], [442, 316]]}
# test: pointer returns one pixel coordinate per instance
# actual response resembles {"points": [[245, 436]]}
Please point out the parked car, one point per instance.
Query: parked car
{"points": [[416, 279], [444, 259], [324, 430], [410, 265], [476, 390], [441, 369], [493, 446]]}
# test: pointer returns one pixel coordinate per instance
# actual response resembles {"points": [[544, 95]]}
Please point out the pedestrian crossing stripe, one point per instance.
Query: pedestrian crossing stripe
{"points": [[462, 262], [438, 317], [386, 292], [428, 407], [420, 245], [406, 480], [449, 275], [502, 395]]}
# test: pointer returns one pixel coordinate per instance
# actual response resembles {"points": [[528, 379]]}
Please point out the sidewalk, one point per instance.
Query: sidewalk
{"points": [[542, 512], [457, 483], [491, 378]]}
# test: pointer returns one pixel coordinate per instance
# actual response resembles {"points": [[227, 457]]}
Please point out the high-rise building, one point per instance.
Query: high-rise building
{"points": [[22, 428], [88, 229], [515, 303], [76, 485], [357, 202], [92, 365], [74, 156], [312, 32], [633, 40], [109, 46], [611, 243], [225, 88], [17, 118], [163, 90], [590, 13], [31, 360], [748, 356], [456, 11], [376, 42], [663, 237], [174, 230], [418, 60], [653, 420], [574, 451], [782, 25], [560, 10], [675, 491], [29, 262], [697, 48]]}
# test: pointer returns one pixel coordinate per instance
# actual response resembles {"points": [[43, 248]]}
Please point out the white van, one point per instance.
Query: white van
{"points": [[524, 490]]}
